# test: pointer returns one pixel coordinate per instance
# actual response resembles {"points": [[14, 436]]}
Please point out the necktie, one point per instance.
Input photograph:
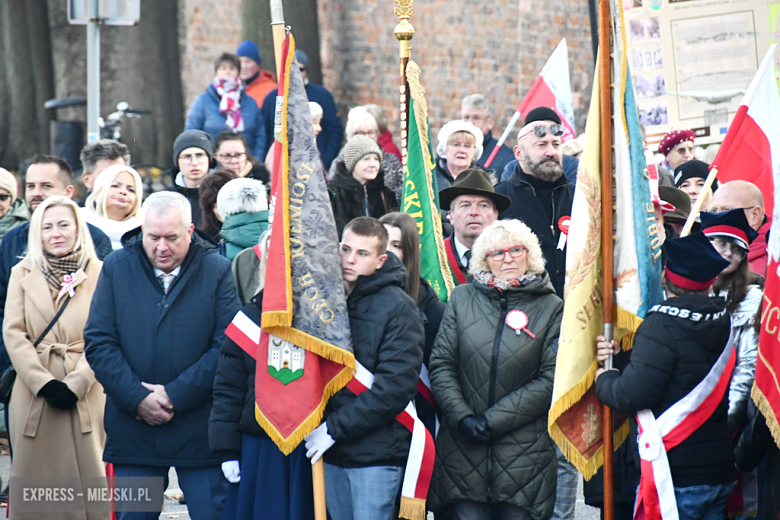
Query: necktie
{"points": [[166, 280], [467, 254]]}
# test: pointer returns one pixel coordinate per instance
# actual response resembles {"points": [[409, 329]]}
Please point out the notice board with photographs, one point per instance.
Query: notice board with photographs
{"points": [[692, 60]]}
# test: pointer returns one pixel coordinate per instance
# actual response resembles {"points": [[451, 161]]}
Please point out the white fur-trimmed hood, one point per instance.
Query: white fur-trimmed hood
{"points": [[242, 196]]}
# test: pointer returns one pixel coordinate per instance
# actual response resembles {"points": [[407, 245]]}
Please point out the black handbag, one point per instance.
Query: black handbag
{"points": [[8, 372]]}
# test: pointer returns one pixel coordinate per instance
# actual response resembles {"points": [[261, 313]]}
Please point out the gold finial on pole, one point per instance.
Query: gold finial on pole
{"points": [[404, 32]]}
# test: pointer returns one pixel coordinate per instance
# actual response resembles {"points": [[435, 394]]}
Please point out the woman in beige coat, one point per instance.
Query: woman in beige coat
{"points": [[56, 406]]}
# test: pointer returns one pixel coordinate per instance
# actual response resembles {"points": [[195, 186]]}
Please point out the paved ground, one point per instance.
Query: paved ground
{"points": [[173, 510]]}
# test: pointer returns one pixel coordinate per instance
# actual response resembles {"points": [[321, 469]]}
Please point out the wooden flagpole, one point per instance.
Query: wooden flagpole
{"points": [[404, 32], [697, 206], [607, 209], [318, 469]]}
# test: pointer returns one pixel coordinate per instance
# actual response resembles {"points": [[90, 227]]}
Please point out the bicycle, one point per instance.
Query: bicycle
{"points": [[71, 139]]}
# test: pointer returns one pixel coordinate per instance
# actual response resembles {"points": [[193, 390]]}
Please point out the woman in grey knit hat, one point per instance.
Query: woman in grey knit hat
{"points": [[358, 186]]}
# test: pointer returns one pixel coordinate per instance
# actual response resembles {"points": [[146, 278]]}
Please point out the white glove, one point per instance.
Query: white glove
{"points": [[318, 442], [232, 471]]}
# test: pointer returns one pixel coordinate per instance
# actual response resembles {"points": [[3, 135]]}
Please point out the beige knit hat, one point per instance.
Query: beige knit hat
{"points": [[357, 148], [8, 183]]}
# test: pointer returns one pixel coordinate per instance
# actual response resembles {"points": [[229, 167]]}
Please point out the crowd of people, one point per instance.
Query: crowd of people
{"points": [[115, 360]]}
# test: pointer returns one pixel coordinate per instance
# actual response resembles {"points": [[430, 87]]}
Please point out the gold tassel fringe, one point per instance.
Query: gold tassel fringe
{"points": [[287, 445], [627, 320], [572, 397], [313, 344], [412, 508], [587, 467], [766, 409], [417, 93]]}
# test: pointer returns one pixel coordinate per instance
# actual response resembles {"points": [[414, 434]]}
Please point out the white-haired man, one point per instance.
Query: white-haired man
{"points": [[153, 337], [476, 110]]}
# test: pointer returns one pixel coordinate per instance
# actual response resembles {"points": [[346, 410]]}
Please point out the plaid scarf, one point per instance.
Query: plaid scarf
{"points": [[229, 91], [488, 280], [60, 266]]}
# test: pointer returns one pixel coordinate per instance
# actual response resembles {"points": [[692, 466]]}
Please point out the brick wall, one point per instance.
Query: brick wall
{"points": [[463, 47], [496, 48], [207, 28]]}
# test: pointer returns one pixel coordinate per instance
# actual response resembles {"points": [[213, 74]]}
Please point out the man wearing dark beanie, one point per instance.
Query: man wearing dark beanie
{"points": [[192, 162], [258, 82], [542, 197], [570, 164]]}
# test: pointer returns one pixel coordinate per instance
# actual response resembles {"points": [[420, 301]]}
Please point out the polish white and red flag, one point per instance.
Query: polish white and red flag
{"points": [[552, 89], [751, 148]]}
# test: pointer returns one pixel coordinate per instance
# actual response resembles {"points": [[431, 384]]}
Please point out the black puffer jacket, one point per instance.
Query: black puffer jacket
{"points": [[352, 199], [527, 208], [673, 352], [233, 411], [432, 310], [483, 368], [192, 195], [388, 338]]}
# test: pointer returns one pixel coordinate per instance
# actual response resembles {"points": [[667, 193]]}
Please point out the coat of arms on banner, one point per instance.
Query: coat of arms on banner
{"points": [[285, 360]]}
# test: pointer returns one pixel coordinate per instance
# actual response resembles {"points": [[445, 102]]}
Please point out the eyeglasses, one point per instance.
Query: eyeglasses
{"points": [[302, 69], [464, 146], [230, 157], [724, 209], [500, 254], [5, 196], [197, 157], [367, 132], [724, 246], [541, 130]]}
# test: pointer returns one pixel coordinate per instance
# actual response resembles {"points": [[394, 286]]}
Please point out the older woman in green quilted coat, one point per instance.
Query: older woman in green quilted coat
{"points": [[492, 369]]}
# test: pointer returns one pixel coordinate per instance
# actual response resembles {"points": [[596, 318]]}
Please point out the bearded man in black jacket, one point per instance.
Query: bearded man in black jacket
{"points": [[682, 345], [540, 192]]}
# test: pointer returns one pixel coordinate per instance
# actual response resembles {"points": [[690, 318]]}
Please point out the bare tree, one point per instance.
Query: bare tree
{"points": [[39, 51], [28, 72]]}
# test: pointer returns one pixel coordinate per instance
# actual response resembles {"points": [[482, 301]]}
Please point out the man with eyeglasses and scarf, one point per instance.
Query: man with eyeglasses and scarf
{"points": [[542, 197]]}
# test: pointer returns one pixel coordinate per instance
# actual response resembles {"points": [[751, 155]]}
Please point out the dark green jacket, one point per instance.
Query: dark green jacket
{"points": [[476, 354]]}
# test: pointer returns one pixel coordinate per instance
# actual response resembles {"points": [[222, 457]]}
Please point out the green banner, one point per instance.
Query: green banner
{"points": [[421, 195]]}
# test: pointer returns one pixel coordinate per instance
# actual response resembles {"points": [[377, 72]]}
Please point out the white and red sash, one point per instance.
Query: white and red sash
{"points": [[655, 498], [419, 465]]}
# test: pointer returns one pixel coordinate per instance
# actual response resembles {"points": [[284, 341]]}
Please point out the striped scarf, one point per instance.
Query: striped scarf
{"points": [[60, 266], [229, 91]]}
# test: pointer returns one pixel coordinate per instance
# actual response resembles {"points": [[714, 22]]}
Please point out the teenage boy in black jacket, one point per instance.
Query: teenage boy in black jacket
{"points": [[681, 341], [366, 446]]}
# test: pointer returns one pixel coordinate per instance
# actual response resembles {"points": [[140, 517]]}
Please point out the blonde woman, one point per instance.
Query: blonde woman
{"points": [[114, 206], [56, 406], [492, 368]]}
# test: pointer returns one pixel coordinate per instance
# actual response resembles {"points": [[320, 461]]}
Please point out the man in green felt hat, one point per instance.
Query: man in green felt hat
{"points": [[472, 205]]}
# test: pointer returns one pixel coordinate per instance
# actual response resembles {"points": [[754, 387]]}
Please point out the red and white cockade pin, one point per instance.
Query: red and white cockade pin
{"points": [[563, 226], [518, 321], [67, 285]]}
